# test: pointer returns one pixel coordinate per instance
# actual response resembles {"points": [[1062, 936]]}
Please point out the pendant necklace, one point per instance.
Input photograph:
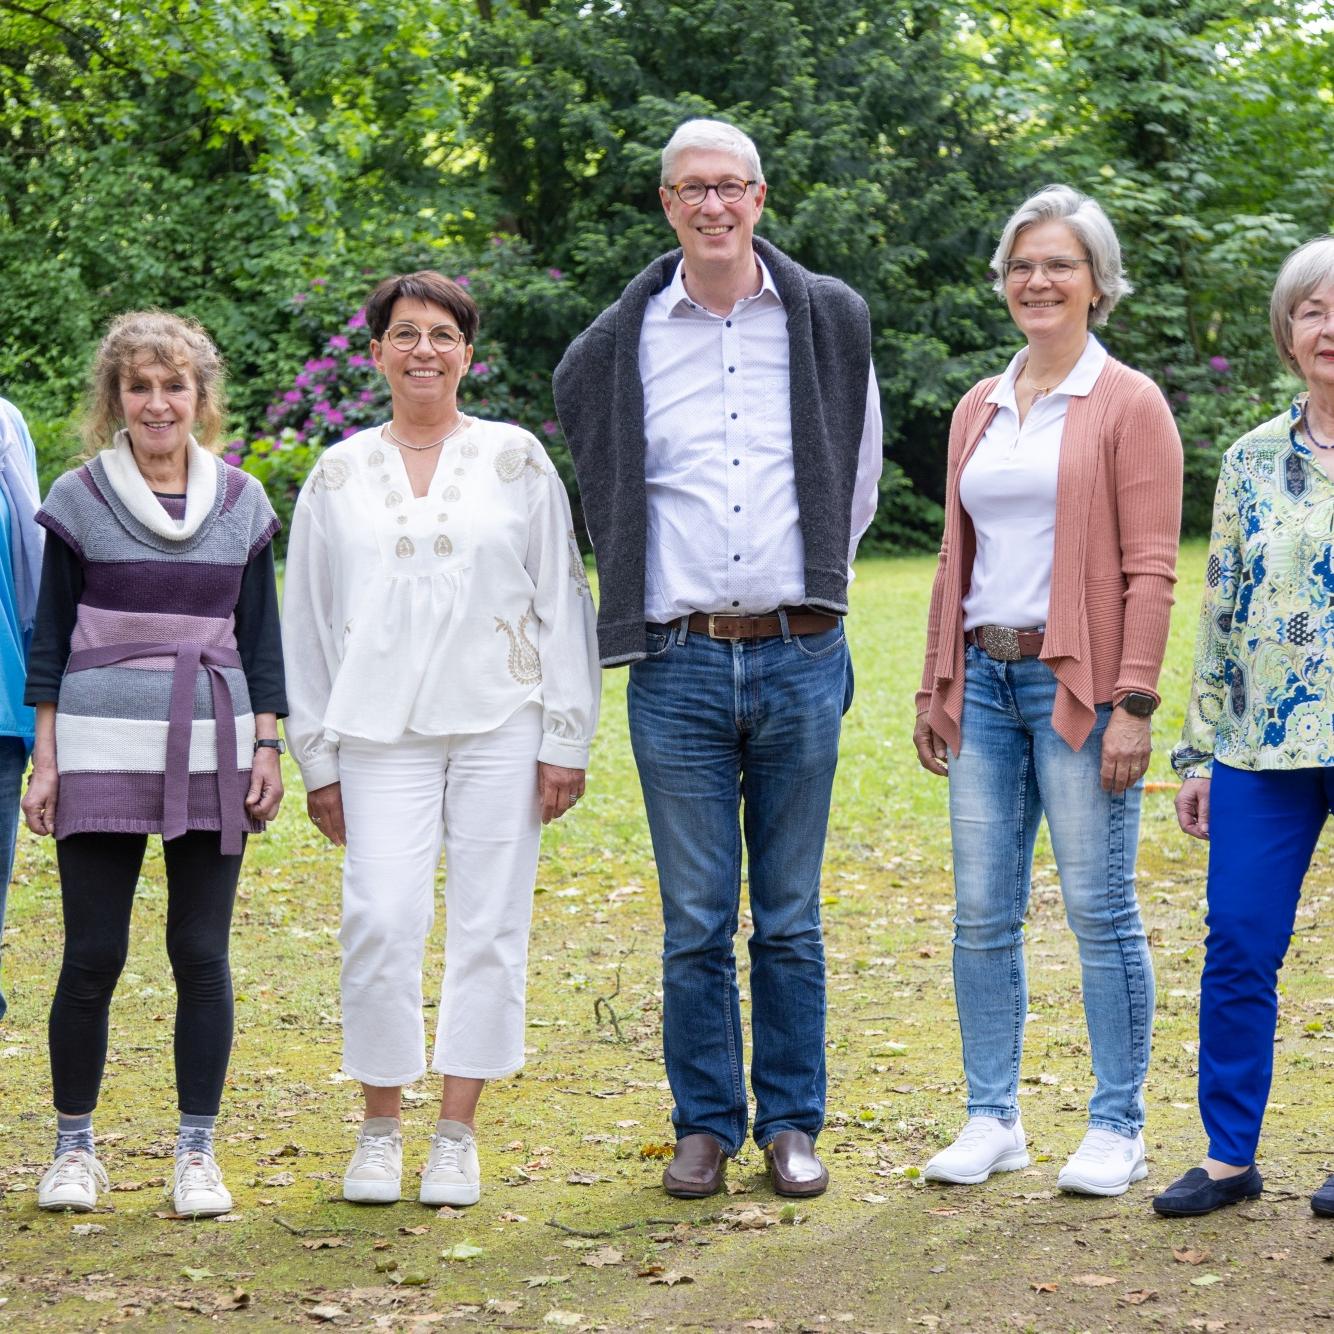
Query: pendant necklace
{"points": [[421, 449]]}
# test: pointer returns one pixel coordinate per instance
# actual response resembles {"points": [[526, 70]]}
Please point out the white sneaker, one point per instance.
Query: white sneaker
{"points": [[71, 1182], [197, 1190], [1104, 1164], [453, 1175], [985, 1145], [375, 1174]]}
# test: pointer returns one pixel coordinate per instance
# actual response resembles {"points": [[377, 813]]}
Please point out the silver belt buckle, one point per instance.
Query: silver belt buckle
{"points": [[1001, 642]]}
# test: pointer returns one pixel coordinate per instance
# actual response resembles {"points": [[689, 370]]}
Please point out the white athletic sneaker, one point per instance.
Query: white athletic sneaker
{"points": [[453, 1175], [71, 1182], [1104, 1164], [375, 1174], [197, 1190], [985, 1145]]}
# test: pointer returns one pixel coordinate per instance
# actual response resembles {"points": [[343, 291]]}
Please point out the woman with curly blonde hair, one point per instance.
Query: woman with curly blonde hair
{"points": [[156, 672]]}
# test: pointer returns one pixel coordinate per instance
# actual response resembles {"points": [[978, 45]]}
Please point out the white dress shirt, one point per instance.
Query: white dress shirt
{"points": [[439, 615], [1008, 488], [724, 531]]}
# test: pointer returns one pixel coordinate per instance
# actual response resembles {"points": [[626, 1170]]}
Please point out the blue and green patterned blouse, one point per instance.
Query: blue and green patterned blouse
{"points": [[1263, 695]]}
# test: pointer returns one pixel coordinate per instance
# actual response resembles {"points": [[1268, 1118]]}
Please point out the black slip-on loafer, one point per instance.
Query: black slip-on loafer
{"points": [[1322, 1202], [1198, 1193]]}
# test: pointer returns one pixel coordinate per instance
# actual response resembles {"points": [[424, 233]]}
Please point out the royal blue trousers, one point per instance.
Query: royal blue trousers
{"points": [[1263, 829]]}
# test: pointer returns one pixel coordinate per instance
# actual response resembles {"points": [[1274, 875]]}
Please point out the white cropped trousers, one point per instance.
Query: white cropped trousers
{"points": [[476, 796]]}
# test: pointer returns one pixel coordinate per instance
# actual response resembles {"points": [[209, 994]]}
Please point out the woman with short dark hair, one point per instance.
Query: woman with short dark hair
{"points": [[444, 686]]}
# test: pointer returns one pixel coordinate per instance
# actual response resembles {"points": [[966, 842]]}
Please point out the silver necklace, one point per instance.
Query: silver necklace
{"points": [[421, 449], [1310, 434]]}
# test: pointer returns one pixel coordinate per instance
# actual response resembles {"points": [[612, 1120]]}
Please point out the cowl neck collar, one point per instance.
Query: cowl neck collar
{"points": [[133, 491]]}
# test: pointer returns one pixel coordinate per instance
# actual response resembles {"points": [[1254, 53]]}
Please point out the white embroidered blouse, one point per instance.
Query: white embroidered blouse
{"points": [[439, 615]]}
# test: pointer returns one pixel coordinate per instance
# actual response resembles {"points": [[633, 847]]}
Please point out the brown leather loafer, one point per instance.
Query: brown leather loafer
{"points": [[794, 1166], [697, 1167]]}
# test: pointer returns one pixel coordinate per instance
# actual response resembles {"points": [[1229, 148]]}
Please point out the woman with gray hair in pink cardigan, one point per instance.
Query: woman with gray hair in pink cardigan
{"points": [[1046, 633]]}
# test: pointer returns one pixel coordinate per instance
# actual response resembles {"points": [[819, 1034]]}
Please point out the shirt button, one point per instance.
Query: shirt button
{"points": [[729, 324], [731, 370], [736, 509], [736, 557], [736, 604], [734, 416], [736, 463]]}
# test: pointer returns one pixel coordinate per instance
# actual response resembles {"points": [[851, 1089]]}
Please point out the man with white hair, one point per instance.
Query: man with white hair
{"points": [[724, 420]]}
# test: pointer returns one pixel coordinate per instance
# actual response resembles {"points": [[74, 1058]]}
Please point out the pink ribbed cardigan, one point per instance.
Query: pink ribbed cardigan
{"points": [[1118, 520]]}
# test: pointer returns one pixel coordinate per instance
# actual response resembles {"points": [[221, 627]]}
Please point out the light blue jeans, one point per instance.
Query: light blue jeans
{"points": [[13, 761], [1012, 769]]}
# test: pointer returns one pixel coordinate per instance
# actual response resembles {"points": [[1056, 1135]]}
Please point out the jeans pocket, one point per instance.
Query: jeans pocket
{"points": [[819, 645], [658, 642]]}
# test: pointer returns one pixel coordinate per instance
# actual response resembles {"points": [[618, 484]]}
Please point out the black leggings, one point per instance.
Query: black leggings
{"points": [[98, 873]]}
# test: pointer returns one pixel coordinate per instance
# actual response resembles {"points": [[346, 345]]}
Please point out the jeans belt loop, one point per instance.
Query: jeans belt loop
{"points": [[683, 629], [782, 620]]}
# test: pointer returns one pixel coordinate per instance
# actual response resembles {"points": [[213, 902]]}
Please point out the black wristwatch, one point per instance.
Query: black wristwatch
{"points": [[1137, 704], [270, 743]]}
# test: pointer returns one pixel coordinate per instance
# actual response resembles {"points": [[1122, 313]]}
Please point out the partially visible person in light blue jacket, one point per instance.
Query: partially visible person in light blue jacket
{"points": [[20, 570]]}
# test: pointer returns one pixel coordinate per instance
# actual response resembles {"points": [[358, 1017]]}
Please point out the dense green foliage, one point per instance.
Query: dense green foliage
{"points": [[259, 163]]}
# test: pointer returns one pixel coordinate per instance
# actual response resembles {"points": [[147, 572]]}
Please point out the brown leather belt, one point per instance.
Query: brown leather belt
{"points": [[799, 622], [1004, 644]]}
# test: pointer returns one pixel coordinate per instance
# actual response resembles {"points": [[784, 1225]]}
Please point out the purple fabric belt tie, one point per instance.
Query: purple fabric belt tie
{"points": [[180, 719]]}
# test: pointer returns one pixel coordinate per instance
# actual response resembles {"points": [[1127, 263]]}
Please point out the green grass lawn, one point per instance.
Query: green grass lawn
{"points": [[572, 1229]]}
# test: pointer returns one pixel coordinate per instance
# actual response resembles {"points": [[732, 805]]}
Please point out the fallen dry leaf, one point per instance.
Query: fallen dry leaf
{"points": [[1138, 1297], [1277, 1255], [1044, 1287], [544, 1280], [570, 1318], [419, 1231], [86, 1229], [762, 1323], [601, 1258], [671, 1278], [507, 1217], [280, 1179], [325, 1311], [1206, 1281], [944, 1213], [322, 1243], [648, 1271], [502, 1307], [1092, 1280], [583, 1178], [1187, 1257], [238, 1301], [656, 1150], [128, 1185]]}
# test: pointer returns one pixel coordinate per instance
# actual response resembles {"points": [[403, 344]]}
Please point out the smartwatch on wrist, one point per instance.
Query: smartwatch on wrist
{"points": [[1137, 704], [270, 743]]}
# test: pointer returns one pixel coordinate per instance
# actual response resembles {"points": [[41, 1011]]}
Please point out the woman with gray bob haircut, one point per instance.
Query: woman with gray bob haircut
{"points": [[1045, 637], [1256, 755]]}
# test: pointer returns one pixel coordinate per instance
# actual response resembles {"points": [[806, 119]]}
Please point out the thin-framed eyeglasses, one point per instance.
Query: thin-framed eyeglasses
{"points": [[1058, 270], [1310, 315], [730, 191], [405, 336]]}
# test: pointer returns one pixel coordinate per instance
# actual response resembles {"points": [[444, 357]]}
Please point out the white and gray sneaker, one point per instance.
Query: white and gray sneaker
{"points": [[197, 1190], [71, 1182], [985, 1145], [375, 1174], [453, 1175], [1104, 1164]]}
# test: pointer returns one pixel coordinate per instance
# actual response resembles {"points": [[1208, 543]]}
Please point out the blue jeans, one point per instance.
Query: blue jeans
{"points": [[1263, 829], [13, 761], [734, 738], [1013, 769]]}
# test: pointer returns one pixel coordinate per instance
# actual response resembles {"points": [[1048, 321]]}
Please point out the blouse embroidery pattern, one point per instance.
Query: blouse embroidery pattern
{"points": [[1263, 691], [522, 659]]}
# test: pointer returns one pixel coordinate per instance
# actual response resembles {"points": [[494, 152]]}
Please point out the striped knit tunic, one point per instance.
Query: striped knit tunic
{"points": [[154, 722]]}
